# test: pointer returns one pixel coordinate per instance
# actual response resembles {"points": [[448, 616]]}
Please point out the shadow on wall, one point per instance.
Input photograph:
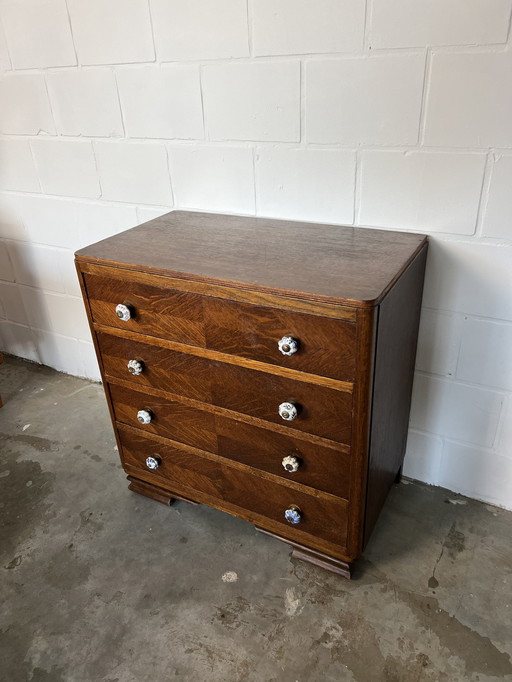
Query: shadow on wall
{"points": [[463, 367], [25, 270]]}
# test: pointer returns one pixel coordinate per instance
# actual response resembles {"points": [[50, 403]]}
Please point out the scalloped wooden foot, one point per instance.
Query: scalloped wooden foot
{"points": [[313, 556], [324, 561]]}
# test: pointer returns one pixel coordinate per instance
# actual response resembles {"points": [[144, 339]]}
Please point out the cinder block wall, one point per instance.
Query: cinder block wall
{"points": [[387, 113]]}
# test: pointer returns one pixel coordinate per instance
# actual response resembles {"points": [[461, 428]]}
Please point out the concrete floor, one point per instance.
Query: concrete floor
{"points": [[101, 585]]}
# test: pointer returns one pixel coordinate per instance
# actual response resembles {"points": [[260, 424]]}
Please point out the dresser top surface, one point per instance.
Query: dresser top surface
{"points": [[354, 266]]}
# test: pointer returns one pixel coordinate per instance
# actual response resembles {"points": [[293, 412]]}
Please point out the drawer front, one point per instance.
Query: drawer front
{"points": [[323, 411], [188, 474], [322, 468], [325, 346]]}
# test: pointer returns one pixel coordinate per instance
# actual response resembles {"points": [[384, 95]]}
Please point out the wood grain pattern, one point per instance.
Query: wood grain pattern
{"points": [[323, 412], [152, 491], [326, 346], [194, 476], [156, 493], [300, 304], [314, 557], [239, 417], [335, 384], [322, 560], [321, 468], [321, 262], [213, 294], [363, 390]]}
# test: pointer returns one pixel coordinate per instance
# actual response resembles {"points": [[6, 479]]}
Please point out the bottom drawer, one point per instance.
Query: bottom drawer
{"points": [[236, 490]]}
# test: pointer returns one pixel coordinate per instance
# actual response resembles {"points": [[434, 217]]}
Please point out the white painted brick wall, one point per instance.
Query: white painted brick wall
{"points": [[111, 31], [66, 167], [306, 184], [404, 190], [282, 27], [6, 267], [120, 166], [381, 113], [17, 169], [162, 102], [85, 103], [417, 23], [498, 211], [470, 277], [466, 108], [28, 111], [364, 100], [456, 410], [485, 353], [5, 62], [200, 29], [252, 100], [38, 33], [212, 177]]}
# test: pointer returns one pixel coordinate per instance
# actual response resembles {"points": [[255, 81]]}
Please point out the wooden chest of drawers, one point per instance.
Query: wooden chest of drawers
{"points": [[262, 367]]}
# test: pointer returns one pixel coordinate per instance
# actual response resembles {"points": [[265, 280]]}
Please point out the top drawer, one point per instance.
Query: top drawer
{"points": [[324, 346]]}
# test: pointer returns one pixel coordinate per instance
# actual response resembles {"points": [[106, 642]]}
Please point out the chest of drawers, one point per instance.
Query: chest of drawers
{"points": [[261, 367]]}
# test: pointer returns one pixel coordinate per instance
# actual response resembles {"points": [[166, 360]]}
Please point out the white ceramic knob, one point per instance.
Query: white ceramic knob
{"points": [[153, 462], [291, 463], [288, 411], [288, 345], [135, 366], [293, 514], [144, 416], [124, 312]]}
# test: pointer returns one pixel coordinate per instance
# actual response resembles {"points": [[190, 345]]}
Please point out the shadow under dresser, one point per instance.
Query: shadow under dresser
{"points": [[262, 367]]}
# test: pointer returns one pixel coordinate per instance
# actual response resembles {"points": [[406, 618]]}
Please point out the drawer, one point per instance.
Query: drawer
{"points": [[325, 346], [234, 489], [322, 468], [323, 411]]}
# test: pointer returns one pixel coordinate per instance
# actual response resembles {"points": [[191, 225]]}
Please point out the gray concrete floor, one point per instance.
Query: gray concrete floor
{"points": [[99, 584]]}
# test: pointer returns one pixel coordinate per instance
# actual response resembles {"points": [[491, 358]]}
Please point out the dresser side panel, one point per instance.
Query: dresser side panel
{"points": [[397, 336]]}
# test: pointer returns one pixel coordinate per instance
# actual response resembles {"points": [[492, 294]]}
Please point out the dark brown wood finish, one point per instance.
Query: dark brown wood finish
{"points": [[322, 468], [155, 493], [300, 304], [326, 346], [151, 491], [322, 411], [213, 295], [399, 316], [330, 263], [363, 393], [195, 476], [313, 556]]}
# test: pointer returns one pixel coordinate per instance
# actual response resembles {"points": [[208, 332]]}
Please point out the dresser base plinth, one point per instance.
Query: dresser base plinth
{"points": [[151, 491], [313, 556], [154, 492]]}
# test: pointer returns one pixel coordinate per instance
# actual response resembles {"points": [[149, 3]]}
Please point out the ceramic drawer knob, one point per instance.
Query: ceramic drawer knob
{"points": [[291, 464], [135, 366], [293, 514], [153, 462], [144, 416], [288, 411], [288, 345], [124, 312]]}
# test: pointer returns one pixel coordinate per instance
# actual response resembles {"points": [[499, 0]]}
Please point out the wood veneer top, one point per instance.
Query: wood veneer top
{"points": [[352, 266]]}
